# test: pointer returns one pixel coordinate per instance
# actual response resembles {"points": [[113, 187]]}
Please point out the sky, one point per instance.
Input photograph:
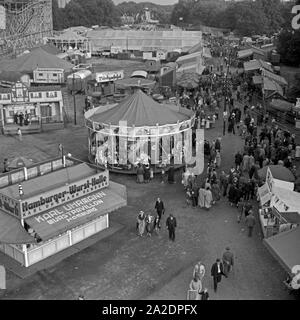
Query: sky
{"points": [[153, 1]]}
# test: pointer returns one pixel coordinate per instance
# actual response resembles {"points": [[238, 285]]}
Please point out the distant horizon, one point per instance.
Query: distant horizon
{"points": [[162, 2]]}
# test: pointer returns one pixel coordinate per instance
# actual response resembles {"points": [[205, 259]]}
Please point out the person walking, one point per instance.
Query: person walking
{"points": [[250, 222], [199, 271], [227, 261], [141, 223], [171, 224], [216, 273], [5, 165], [194, 289], [19, 133], [160, 209]]}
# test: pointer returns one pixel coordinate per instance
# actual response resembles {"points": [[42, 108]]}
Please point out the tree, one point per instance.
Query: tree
{"points": [[180, 11], [273, 14], [57, 15], [90, 12]]}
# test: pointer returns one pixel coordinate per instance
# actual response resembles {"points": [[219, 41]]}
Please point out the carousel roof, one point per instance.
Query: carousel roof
{"points": [[139, 110]]}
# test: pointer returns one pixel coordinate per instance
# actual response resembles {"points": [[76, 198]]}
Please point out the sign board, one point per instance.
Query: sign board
{"points": [[73, 210], [109, 76], [147, 55], [64, 194], [115, 50], [9, 205], [2, 18], [2, 278], [264, 194]]}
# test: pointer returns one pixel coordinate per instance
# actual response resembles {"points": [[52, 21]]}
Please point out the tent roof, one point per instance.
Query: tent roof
{"points": [[278, 172], [196, 48], [271, 85], [275, 77], [36, 58], [285, 248], [193, 56], [70, 35], [245, 53], [290, 198], [193, 67], [139, 110], [11, 230], [50, 48], [282, 105], [256, 65]]}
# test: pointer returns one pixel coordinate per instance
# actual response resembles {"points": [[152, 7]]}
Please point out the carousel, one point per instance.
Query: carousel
{"points": [[139, 131]]}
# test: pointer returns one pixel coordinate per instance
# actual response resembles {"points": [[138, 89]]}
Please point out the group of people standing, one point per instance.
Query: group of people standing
{"points": [[218, 269], [147, 223], [21, 118]]}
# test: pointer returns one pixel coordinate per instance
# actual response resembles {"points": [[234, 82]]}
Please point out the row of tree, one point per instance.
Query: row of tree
{"points": [[245, 17], [104, 12]]}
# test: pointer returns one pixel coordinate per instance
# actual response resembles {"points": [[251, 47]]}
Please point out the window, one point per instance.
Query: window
{"points": [[51, 94], [54, 74], [11, 113], [32, 112], [36, 95], [41, 74], [5, 96]]}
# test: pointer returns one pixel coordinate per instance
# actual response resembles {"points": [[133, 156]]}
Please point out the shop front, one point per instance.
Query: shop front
{"points": [[104, 82], [279, 206], [30, 107], [63, 201]]}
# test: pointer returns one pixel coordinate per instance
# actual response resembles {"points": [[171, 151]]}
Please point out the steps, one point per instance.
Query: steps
{"points": [[28, 130]]}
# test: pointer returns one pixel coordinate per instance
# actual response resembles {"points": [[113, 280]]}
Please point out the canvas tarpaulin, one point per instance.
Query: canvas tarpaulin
{"points": [[285, 248], [139, 110], [11, 230]]}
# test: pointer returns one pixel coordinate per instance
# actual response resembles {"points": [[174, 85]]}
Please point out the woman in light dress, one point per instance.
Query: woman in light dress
{"points": [[195, 289], [208, 198], [141, 223], [218, 159]]}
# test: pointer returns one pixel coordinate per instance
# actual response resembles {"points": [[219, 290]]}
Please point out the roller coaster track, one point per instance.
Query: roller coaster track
{"points": [[26, 25]]}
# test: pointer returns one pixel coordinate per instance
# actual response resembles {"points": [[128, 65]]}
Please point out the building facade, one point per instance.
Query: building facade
{"points": [[42, 107]]}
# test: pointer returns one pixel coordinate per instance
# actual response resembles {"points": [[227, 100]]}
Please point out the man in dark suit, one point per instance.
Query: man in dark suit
{"points": [[171, 225], [160, 209], [216, 273]]}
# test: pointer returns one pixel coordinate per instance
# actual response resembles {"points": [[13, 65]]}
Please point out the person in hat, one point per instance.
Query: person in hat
{"points": [[227, 261]]}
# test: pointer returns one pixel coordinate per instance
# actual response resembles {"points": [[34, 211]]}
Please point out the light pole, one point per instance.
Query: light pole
{"points": [[74, 98]]}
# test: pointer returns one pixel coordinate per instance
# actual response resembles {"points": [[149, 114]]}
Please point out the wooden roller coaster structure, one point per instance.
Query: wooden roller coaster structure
{"points": [[27, 23]]}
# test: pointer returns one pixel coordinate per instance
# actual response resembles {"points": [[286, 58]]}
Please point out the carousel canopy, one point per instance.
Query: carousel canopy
{"points": [[139, 110]]}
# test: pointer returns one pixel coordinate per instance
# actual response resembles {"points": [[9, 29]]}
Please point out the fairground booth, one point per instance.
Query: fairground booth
{"points": [[138, 130], [50, 206], [280, 219], [280, 205]]}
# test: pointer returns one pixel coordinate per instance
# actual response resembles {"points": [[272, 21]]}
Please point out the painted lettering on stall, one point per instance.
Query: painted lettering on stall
{"points": [[72, 210], [73, 189]]}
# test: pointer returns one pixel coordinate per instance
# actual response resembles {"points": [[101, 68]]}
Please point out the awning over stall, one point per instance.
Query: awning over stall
{"points": [[285, 247], [11, 230], [78, 212]]}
